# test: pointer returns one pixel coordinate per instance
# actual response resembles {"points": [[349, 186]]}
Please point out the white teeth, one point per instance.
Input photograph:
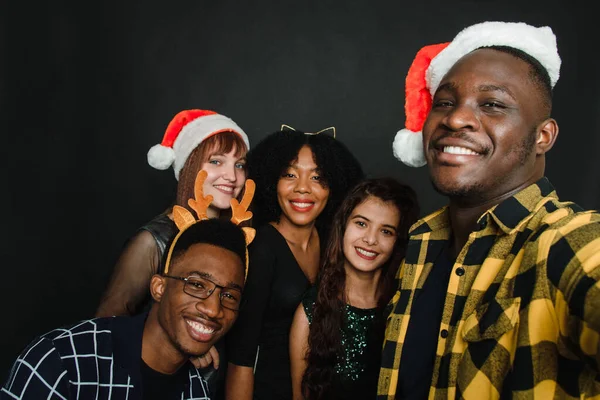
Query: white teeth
{"points": [[301, 205], [365, 252], [458, 150], [199, 327], [225, 188]]}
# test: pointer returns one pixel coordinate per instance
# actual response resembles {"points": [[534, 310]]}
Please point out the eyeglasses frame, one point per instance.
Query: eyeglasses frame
{"points": [[210, 292]]}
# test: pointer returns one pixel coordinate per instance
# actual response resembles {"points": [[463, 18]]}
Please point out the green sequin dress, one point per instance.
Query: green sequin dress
{"points": [[362, 337]]}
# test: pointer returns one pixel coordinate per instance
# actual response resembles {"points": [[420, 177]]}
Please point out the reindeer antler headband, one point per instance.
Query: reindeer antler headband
{"points": [[184, 219]]}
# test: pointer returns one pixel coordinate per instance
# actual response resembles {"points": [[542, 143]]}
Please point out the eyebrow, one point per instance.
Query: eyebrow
{"points": [[450, 86], [496, 88], [210, 277], [298, 166], [365, 218]]}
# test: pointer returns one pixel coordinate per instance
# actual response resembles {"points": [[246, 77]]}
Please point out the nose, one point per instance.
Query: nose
{"points": [[303, 184], [211, 306], [462, 117], [229, 173], [370, 237]]}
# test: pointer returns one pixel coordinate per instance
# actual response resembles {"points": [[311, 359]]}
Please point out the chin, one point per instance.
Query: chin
{"points": [[471, 193], [454, 187], [221, 203], [195, 349], [303, 221]]}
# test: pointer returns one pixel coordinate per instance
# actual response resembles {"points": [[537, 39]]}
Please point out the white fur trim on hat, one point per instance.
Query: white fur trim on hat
{"points": [[196, 131], [161, 157], [408, 148], [540, 43]]}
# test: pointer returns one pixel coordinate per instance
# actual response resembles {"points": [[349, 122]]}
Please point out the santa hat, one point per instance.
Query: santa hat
{"points": [[185, 132], [433, 62]]}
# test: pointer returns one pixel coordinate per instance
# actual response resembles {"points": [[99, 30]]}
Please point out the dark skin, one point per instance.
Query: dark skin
{"points": [[300, 183], [179, 325], [486, 136]]}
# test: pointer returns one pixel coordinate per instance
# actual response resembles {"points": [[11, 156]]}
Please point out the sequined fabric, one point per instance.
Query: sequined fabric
{"points": [[359, 365], [354, 341]]}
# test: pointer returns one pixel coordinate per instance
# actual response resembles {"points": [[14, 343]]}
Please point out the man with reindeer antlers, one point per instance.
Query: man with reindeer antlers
{"points": [[197, 295]]}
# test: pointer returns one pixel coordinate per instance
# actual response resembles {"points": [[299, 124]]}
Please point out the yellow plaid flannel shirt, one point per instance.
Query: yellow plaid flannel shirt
{"points": [[522, 310]]}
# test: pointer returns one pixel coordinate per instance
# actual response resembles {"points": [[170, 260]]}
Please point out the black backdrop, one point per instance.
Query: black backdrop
{"points": [[87, 88]]}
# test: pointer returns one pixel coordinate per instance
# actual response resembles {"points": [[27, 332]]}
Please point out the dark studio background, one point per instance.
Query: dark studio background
{"points": [[87, 88]]}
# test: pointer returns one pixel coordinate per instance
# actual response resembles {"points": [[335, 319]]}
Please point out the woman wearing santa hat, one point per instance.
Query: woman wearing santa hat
{"points": [[194, 140]]}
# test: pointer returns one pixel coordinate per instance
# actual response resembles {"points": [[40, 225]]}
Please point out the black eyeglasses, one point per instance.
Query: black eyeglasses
{"points": [[202, 288]]}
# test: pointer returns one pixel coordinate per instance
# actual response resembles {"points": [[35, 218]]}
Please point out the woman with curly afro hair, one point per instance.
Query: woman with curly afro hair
{"points": [[338, 329], [301, 180]]}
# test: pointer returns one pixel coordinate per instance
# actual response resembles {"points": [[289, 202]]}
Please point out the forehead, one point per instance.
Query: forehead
{"points": [[223, 265], [378, 211], [491, 67], [305, 158], [230, 149], [226, 142]]}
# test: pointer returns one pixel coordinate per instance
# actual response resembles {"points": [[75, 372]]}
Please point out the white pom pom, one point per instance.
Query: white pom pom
{"points": [[408, 148], [161, 157]]}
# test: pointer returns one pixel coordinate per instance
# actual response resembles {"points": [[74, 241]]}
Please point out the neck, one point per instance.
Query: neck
{"points": [[465, 213], [362, 288], [295, 234], [213, 212], [158, 351]]}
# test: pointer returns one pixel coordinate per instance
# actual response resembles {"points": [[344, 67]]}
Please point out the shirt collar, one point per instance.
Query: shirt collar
{"points": [[515, 211], [509, 215], [437, 221]]}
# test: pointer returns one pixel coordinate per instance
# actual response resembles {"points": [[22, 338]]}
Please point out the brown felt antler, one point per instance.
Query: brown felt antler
{"points": [[239, 210], [183, 217], [200, 203]]}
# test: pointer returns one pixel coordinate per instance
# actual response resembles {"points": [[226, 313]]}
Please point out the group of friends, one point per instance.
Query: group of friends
{"points": [[282, 271]]}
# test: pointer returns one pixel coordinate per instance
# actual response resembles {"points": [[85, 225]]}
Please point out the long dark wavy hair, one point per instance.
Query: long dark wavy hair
{"points": [[324, 339], [269, 159]]}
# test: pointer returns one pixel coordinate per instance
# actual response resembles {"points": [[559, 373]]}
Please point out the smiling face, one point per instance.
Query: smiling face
{"points": [[193, 325], [371, 233], [226, 177], [480, 136], [301, 194]]}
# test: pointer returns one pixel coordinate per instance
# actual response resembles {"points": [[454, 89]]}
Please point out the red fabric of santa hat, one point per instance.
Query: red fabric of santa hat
{"points": [[185, 132]]}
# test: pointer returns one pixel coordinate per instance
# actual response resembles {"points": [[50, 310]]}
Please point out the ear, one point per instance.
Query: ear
{"points": [[546, 136], [157, 287]]}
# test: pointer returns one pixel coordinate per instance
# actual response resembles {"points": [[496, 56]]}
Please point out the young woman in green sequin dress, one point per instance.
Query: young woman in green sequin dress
{"points": [[337, 332]]}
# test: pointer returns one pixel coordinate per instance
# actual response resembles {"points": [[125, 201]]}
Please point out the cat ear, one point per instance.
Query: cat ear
{"points": [[286, 128], [327, 131]]}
